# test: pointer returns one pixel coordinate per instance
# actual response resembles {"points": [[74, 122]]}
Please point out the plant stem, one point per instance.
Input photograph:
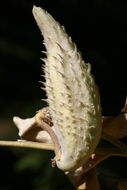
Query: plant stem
{"points": [[52, 134], [27, 144]]}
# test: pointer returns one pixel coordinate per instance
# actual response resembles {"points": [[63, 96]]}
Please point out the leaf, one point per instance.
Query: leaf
{"points": [[124, 110], [122, 185], [115, 127], [87, 181], [98, 156]]}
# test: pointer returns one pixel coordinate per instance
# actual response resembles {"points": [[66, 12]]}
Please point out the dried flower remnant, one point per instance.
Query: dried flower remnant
{"points": [[73, 97], [30, 130]]}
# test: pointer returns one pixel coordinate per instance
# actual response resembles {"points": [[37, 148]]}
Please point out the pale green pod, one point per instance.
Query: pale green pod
{"points": [[73, 97]]}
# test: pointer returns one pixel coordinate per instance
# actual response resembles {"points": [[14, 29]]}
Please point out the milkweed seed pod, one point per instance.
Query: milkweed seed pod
{"points": [[72, 95]]}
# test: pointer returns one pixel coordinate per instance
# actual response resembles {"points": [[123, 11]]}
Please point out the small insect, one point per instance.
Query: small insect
{"points": [[72, 95]]}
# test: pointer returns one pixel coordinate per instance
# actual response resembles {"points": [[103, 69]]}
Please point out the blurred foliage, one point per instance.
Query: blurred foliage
{"points": [[99, 29], [30, 169]]}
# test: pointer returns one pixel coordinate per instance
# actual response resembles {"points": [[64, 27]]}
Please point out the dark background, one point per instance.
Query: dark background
{"points": [[99, 28]]}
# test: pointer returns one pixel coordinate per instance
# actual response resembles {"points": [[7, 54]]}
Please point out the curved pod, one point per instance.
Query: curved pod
{"points": [[73, 97]]}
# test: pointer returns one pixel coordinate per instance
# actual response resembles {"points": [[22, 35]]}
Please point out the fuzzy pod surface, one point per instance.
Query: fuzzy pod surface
{"points": [[72, 94]]}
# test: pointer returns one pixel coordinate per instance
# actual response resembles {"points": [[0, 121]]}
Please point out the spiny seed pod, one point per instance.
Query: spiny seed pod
{"points": [[73, 97]]}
